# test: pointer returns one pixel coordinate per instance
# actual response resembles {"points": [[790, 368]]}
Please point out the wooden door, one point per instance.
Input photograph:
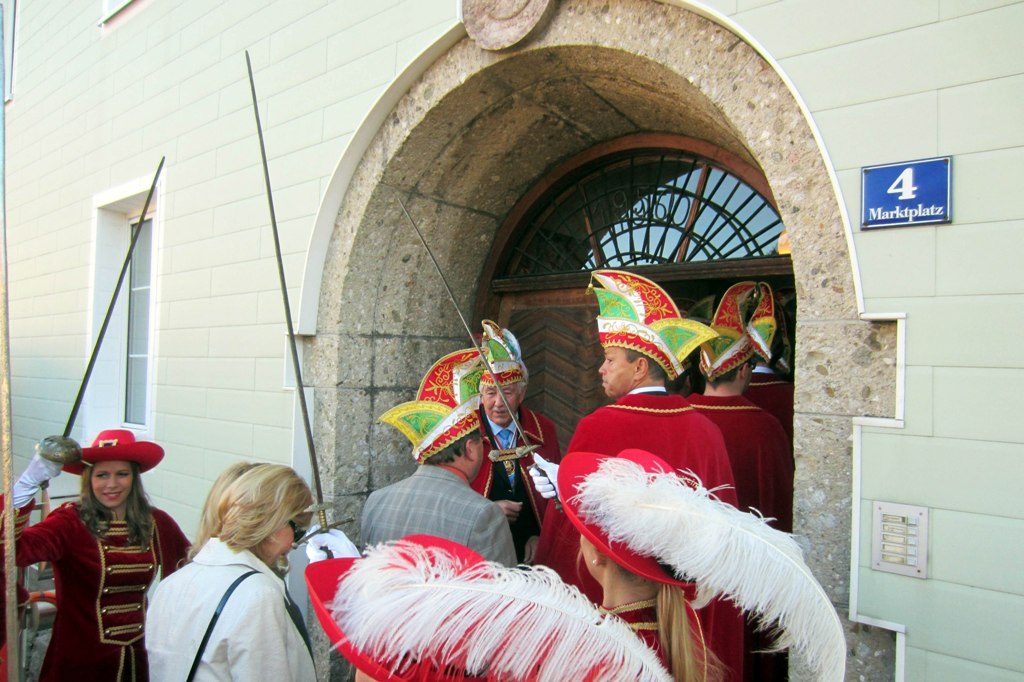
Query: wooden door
{"points": [[558, 336]]}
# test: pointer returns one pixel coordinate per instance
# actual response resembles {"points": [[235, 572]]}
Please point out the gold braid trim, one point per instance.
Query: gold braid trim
{"points": [[631, 606], [536, 427], [700, 636], [653, 410], [777, 382], [734, 408], [637, 627], [120, 665]]}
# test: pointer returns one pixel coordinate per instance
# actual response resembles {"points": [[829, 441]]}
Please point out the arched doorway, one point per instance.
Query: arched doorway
{"points": [[689, 215], [475, 132]]}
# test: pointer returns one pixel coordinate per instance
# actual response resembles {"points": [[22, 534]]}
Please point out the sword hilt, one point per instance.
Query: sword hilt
{"points": [[512, 454]]}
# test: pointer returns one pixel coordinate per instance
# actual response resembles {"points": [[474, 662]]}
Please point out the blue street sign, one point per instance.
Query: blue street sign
{"points": [[908, 193]]}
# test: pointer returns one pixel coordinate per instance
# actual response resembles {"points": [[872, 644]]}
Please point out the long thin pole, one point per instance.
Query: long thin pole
{"points": [[472, 340], [70, 424], [317, 490], [6, 438]]}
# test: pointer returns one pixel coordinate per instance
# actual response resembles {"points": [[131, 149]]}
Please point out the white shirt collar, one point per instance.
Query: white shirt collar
{"points": [[496, 428], [647, 389], [763, 369]]}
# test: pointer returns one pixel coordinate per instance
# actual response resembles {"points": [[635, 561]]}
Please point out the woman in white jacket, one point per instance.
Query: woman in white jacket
{"points": [[258, 633]]}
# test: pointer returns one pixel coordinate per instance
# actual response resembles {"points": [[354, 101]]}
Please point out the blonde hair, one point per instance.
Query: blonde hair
{"points": [[687, 662], [209, 521], [258, 503]]}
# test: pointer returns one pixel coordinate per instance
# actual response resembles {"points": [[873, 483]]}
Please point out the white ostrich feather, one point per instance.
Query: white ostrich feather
{"points": [[725, 551], [405, 603]]}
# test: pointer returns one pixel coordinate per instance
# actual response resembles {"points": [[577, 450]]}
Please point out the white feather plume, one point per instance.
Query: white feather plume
{"points": [[725, 551], [405, 603]]}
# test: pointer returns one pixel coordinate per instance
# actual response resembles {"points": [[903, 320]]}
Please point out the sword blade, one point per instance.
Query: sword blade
{"points": [[76, 406], [469, 331], [310, 447]]}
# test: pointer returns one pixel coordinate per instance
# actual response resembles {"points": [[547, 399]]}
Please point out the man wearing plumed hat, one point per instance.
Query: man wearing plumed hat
{"points": [[503, 477]]}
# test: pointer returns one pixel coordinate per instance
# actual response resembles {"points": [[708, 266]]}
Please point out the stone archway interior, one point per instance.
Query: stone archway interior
{"points": [[459, 171]]}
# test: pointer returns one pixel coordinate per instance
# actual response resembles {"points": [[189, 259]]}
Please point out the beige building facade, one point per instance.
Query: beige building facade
{"points": [[898, 397]]}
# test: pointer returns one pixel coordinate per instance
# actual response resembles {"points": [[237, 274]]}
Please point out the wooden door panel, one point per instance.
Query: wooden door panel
{"points": [[561, 351]]}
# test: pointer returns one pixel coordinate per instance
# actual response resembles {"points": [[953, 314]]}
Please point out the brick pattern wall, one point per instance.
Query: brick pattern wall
{"points": [[95, 107], [898, 81]]}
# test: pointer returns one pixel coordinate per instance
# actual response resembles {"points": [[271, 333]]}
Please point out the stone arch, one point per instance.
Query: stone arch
{"points": [[478, 128]]}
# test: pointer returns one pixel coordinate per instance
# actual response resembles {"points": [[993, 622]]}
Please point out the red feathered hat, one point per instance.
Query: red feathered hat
{"points": [[118, 445], [577, 466], [323, 578]]}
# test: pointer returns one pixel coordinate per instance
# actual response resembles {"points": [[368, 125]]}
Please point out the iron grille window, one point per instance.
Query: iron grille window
{"points": [[646, 207]]}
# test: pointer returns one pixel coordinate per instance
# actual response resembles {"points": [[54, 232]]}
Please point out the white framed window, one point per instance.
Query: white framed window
{"points": [[140, 284], [120, 392]]}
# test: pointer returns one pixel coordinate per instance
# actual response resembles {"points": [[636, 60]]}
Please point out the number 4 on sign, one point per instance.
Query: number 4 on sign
{"points": [[904, 185]]}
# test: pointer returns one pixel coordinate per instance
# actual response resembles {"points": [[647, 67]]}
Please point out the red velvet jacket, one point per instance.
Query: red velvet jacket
{"points": [[642, 618], [763, 464], [668, 426], [774, 395], [101, 592], [759, 453]]}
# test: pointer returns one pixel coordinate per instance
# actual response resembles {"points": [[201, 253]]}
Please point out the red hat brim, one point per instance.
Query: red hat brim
{"points": [[323, 579], [144, 453], [574, 468]]}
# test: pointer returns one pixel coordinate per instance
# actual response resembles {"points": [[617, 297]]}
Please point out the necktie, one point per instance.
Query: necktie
{"points": [[505, 437]]}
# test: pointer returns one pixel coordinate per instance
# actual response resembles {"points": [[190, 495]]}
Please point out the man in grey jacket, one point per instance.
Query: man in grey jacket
{"points": [[437, 500], [443, 425]]}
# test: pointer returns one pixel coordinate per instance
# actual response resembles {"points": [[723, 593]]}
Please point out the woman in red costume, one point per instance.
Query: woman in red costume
{"points": [[105, 549], [644, 528]]}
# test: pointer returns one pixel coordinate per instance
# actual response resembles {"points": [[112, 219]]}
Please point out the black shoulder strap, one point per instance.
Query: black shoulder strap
{"points": [[213, 621], [296, 616]]}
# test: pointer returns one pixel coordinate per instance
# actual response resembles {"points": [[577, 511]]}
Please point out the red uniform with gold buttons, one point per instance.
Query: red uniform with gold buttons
{"points": [[101, 588]]}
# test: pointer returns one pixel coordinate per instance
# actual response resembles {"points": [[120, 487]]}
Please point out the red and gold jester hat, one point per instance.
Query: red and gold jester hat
{"points": [[702, 310], [504, 356], [637, 314], [744, 324], [446, 405]]}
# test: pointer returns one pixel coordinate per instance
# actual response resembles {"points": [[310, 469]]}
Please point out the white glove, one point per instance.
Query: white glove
{"points": [[334, 540], [545, 477], [37, 472]]}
